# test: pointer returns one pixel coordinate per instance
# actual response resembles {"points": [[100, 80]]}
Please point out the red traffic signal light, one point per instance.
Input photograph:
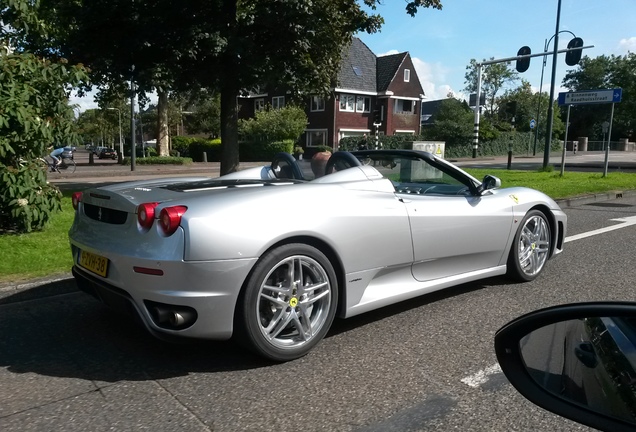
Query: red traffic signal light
{"points": [[524, 63], [572, 57]]}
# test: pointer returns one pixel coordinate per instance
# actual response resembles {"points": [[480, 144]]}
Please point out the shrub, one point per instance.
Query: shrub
{"points": [[287, 123], [160, 160], [262, 151], [199, 145], [34, 113], [182, 145]]}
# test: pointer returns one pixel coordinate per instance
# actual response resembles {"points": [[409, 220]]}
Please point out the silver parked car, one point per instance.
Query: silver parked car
{"points": [[270, 257]]}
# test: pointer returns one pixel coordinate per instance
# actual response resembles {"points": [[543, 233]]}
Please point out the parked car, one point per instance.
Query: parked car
{"points": [[107, 153], [68, 152], [270, 257], [97, 150], [576, 360]]}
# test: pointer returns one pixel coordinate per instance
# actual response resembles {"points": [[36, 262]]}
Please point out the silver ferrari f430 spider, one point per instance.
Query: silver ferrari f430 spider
{"points": [[270, 257]]}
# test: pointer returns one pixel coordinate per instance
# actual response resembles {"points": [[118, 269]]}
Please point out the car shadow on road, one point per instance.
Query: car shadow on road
{"points": [[344, 325], [55, 330], [69, 334]]}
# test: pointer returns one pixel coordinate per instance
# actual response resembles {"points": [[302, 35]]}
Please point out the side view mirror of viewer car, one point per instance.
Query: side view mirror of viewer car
{"points": [[577, 360]]}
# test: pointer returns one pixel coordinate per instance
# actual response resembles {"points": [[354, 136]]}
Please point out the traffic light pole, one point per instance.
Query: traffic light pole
{"points": [[548, 128], [505, 60]]}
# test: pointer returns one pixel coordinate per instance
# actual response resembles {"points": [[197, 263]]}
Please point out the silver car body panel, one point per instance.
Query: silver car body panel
{"points": [[390, 246]]}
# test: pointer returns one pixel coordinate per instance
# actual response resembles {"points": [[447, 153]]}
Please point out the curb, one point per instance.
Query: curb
{"points": [[587, 199]]}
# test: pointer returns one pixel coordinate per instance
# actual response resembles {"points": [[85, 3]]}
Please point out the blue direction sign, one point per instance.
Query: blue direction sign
{"points": [[591, 97], [533, 123]]}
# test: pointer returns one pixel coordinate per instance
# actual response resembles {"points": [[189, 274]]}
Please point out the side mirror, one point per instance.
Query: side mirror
{"points": [[489, 182], [578, 361]]}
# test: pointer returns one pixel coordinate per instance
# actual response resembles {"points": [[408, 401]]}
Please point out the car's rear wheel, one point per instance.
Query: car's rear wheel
{"points": [[288, 302], [531, 247]]}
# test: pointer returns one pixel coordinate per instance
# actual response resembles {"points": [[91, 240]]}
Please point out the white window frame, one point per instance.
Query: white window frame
{"points": [[259, 104], [347, 103], [308, 139], [366, 104], [317, 103], [398, 106], [278, 102], [407, 75]]}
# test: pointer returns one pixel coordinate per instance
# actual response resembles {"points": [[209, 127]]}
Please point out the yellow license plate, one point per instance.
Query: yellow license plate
{"points": [[95, 263]]}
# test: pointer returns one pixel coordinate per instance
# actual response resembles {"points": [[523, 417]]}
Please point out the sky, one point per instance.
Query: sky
{"points": [[442, 43]]}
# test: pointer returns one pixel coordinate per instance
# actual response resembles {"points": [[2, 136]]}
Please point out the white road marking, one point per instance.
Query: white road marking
{"points": [[482, 376], [627, 221]]}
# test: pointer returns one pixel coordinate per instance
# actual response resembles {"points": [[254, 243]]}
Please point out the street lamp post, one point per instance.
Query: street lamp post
{"points": [[121, 141]]}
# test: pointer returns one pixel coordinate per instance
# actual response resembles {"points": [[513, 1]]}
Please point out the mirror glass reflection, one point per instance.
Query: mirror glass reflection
{"points": [[590, 361]]}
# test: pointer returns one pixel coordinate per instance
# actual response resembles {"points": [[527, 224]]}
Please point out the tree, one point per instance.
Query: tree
{"points": [[494, 78], [34, 114], [527, 104], [452, 123], [230, 46], [603, 72]]}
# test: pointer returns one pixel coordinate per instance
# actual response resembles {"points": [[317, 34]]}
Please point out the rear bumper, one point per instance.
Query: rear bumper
{"points": [[209, 303]]}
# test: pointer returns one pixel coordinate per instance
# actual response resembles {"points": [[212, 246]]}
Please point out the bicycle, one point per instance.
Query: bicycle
{"points": [[68, 165]]}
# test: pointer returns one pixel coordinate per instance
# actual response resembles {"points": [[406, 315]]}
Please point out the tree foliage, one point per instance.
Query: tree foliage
{"points": [[227, 46], [287, 123], [34, 113], [494, 79]]}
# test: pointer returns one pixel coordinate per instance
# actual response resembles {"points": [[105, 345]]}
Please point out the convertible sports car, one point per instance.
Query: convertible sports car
{"points": [[270, 257]]}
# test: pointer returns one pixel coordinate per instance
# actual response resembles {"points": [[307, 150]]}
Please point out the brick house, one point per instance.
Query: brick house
{"points": [[370, 90]]}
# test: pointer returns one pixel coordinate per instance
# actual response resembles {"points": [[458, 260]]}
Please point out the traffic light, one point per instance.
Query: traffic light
{"points": [[524, 63], [376, 116], [511, 109], [572, 57]]}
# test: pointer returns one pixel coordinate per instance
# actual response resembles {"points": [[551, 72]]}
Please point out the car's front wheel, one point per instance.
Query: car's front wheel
{"points": [[288, 303], [531, 247]]}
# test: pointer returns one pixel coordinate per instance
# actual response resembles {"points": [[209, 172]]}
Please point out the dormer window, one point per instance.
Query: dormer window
{"points": [[407, 75]]}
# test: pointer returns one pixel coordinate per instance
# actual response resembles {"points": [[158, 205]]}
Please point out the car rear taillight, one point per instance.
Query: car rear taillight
{"points": [[170, 218], [146, 214], [76, 199]]}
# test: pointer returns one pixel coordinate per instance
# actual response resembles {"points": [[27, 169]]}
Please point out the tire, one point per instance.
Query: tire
{"points": [[531, 247], [279, 317], [68, 165]]}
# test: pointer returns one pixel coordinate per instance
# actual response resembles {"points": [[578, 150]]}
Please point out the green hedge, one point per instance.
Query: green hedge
{"points": [[160, 160], [496, 147], [263, 151]]}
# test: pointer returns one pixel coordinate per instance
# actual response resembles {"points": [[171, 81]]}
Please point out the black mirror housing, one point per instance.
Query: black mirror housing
{"points": [[566, 398]]}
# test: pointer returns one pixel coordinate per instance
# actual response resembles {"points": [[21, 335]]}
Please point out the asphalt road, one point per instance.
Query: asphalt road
{"points": [[68, 363]]}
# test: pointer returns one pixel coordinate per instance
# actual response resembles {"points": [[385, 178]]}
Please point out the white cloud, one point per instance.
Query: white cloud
{"points": [[433, 79], [627, 45]]}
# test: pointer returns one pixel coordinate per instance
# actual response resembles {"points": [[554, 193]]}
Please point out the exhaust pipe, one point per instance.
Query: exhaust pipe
{"points": [[170, 316]]}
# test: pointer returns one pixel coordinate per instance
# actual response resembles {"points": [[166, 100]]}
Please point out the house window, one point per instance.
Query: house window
{"points": [[317, 103], [259, 104], [363, 104], [278, 102], [316, 137], [347, 102], [404, 106], [407, 75]]}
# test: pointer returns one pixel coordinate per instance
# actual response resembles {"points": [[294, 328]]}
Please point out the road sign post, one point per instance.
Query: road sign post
{"points": [[587, 97]]}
